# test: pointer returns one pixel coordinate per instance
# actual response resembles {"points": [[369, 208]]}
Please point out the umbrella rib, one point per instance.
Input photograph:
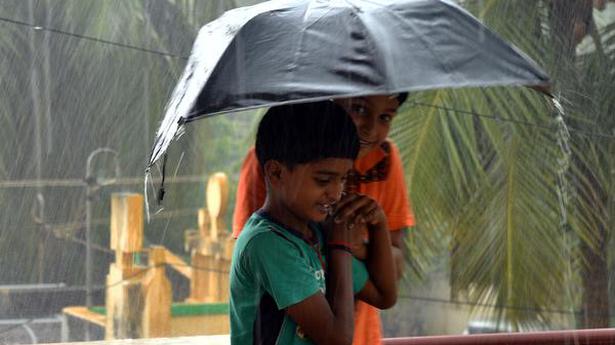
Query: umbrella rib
{"points": [[428, 47], [299, 47], [305, 15], [373, 42]]}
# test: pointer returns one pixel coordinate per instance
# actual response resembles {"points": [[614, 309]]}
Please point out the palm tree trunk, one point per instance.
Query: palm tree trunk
{"points": [[571, 20], [595, 308], [594, 273]]}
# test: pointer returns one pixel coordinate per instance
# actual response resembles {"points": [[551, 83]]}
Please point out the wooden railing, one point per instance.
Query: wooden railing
{"points": [[576, 337], [580, 337]]}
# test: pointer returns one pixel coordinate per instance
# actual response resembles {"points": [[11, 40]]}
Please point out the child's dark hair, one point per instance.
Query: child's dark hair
{"points": [[302, 133], [401, 97]]}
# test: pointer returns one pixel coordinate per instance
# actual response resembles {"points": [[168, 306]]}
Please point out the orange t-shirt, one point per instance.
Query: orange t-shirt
{"points": [[390, 193]]}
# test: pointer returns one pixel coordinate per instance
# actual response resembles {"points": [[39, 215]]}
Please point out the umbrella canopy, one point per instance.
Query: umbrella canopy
{"points": [[285, 51]]}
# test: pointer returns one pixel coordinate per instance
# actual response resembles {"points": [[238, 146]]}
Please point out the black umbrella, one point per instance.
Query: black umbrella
{"points": [[305, 50]]}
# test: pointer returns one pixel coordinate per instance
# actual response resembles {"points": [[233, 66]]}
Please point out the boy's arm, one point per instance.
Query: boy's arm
{"points": [[399, 250], [381, 289], [359, 250], [329, 320]]}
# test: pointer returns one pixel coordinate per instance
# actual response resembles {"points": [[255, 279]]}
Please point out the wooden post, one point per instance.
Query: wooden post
{"points": [[210, 261], [213, 271], [225, 265], [217, 204], [126, 222], [198, 284], [205, 282], [203, 222], [157, 295], [124, 298]]}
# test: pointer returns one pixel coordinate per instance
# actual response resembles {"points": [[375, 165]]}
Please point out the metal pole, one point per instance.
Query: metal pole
{"points": [[92, 185], [88, 247]]}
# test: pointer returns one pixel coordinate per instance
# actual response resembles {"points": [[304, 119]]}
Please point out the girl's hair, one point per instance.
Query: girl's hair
{"points": [[401, 97]]}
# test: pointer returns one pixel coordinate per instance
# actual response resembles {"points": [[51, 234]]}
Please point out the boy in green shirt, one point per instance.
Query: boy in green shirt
{"points": [[293, 277]]}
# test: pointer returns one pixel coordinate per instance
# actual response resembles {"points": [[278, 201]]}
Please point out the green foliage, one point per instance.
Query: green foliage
{"points": [[497, 188]]}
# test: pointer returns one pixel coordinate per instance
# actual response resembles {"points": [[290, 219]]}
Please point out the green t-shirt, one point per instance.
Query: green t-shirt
{"points": [[273, 269]]}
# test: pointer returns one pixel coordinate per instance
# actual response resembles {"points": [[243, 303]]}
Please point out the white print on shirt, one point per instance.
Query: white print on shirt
{"points": [[320, 277]]}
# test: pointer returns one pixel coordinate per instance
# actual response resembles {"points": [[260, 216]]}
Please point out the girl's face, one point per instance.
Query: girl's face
{"points": [[373, 116]]}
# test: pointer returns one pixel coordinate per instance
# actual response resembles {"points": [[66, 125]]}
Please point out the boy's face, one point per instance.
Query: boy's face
{"points": [[310, 190], [373, 116]]}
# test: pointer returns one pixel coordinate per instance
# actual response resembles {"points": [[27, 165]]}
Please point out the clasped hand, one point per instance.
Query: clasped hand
{"points": [[352, 215]]}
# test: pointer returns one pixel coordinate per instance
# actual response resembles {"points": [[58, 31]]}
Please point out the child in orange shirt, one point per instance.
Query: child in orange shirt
{"points": [[378, 173]]}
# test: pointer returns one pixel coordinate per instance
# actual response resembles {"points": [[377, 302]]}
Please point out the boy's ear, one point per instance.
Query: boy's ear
{"points": [[273, 171]]}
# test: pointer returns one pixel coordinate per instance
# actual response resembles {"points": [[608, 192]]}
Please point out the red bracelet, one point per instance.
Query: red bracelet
{"points": [[340, 247], [341, 243]]}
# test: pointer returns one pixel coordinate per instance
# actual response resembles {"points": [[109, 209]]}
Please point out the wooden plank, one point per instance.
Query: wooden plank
{"points": [[224, 280], [124, 302], [199, 325], [199, 287], [178, 264], [86, 314], [229, 246], [582, 336], [157, 296], [223, 339]]}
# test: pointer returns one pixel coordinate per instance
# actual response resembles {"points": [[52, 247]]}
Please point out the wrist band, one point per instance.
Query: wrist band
{"points": [[341, 243], [340, 247]]}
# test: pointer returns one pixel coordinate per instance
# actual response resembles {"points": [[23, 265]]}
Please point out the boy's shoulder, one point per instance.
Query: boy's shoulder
{"points": [[262, 234]]}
